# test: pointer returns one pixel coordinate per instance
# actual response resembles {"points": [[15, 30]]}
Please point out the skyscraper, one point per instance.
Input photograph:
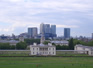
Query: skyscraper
{"points": [[53, 30], [32, 32], [47, 30], [66, 33], [42, 29], [92, 35]]}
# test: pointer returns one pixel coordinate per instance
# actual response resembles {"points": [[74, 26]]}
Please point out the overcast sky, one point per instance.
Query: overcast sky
{"points": [[17, 15]]}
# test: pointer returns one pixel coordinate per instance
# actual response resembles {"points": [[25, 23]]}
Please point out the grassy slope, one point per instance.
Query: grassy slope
{"points": [[46, 62]]}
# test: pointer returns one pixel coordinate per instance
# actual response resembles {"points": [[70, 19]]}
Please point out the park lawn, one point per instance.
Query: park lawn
{"points": [[46, 62]]}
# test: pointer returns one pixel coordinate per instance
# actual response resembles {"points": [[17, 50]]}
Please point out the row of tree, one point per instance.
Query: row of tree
{"points": [[20, 45], [23, 45], [31, 41]]}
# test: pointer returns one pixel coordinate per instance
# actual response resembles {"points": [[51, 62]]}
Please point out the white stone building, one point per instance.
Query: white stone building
{"points": [[61, 43], [84, 49], [42, 49]]}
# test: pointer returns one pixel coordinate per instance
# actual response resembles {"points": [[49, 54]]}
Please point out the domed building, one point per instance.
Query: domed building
{"points": [[41, 49]]}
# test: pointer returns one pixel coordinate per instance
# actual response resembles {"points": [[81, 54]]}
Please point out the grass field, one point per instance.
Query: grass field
{"points": [[46, 62]]}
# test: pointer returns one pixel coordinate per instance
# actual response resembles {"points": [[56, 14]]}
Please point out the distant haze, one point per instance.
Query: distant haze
{"points": [[17, 15]]}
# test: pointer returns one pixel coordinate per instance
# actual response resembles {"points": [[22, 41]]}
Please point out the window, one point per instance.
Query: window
{"points": [[53, 48], [49, 48], [53, 52], [33, 48], [49, 53], [33, 52]]}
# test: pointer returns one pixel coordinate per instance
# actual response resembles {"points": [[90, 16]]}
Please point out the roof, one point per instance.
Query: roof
{"points": [[89, 47], [42, 45], [9, 41], [58, 42]]}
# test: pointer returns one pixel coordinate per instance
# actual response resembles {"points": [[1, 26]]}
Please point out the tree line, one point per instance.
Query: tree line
{"points": [[18, 46], [23, 45]]}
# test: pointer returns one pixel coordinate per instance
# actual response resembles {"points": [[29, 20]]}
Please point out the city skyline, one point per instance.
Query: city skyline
{"points": [[17, 15]]}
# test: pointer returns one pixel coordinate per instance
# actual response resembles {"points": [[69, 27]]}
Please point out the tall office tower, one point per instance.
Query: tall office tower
{"points": [[47, 28], [48, 31], [53, 30], [92, 35], [42, 29], [32, 32], [67, 33]]}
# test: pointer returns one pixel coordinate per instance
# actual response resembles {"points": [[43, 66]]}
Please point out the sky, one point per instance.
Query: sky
{"points": [[17, 15]]}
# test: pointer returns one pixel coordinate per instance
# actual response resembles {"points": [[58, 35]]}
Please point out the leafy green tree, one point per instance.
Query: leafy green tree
{"points": [[31, 41], [46, 42], [5, 46], [58, 47], [71, 45], [12, 47], [90, 43], [21, 45]]}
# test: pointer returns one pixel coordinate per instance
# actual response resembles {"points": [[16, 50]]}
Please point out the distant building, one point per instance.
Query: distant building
{"points": [[42, 28], [84, 49], [32, 32], [67, 33], [61, 43], [53, 30], [12, 42], [21, 39], [47, 30], [41, 49], [92, 35], [24, 35]]}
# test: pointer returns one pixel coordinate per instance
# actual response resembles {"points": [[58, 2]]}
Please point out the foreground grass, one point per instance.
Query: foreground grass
{"points": [[46, 62]]}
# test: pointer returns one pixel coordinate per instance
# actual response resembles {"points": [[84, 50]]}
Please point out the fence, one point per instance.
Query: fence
{"points": [[27, 53]]}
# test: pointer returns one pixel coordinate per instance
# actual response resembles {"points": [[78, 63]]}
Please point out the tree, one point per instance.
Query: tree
{"points": [[46, 42], [71, 45], [90, 43], [21, 45], [31, 41], [12, 47], [5, 46]]}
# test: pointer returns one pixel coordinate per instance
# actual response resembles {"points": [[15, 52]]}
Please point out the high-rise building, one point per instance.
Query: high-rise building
{"points": [[53, 30], [67, 33], [92, 35], [47, 30], [42, 29], [32, 32]]}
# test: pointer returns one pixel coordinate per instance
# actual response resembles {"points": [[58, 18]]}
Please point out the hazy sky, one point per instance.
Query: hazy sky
{"points": [[17, 15]]}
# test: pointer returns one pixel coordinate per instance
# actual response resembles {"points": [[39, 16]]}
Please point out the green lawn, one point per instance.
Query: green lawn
{"points": [[46, 62]]}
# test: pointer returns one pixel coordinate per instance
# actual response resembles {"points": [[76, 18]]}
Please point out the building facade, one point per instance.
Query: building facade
{"points": [[47, 30], [92, 35], [53, 30], [41, 49], [42, 29], [67, 33], [61, 43], [84, 49], [32, 32]]}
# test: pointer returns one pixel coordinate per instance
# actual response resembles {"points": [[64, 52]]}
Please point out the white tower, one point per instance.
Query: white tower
{"points": [[42, 39], [21, 39]]}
